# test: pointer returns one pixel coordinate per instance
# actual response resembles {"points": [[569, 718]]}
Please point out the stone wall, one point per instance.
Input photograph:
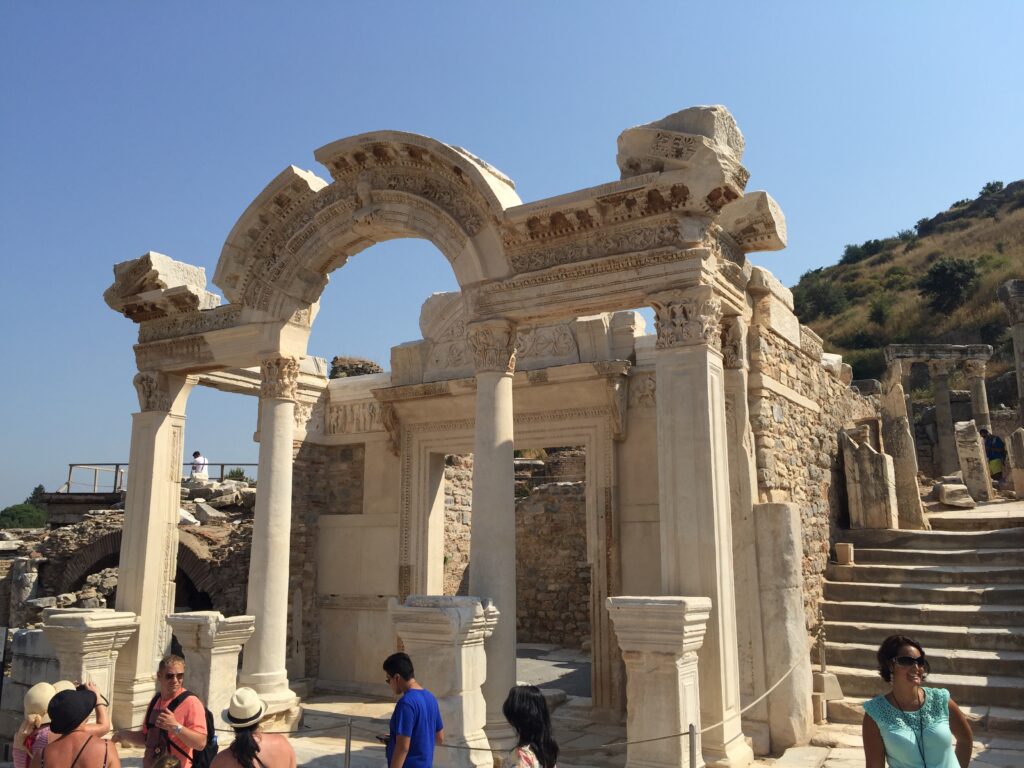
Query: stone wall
{"points": [[552, 573], [796, 445], [458, 513], [326, 480], [926, 436]]}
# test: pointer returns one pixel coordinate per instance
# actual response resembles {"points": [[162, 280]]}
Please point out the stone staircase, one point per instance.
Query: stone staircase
{"points": [[957, 589]]}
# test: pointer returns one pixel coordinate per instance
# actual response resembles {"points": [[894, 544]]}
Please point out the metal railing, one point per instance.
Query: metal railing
{"points": [[109, 477]]}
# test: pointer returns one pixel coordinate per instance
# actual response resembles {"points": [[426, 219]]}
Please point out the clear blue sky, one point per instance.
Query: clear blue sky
{"points": [[127, 127]]}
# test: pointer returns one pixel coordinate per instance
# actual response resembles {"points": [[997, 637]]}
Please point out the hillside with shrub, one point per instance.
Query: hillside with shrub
{"points": [[934, 283]]}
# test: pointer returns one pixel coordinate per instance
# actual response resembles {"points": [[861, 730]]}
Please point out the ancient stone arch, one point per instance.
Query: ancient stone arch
{"points": [[85, 560]]}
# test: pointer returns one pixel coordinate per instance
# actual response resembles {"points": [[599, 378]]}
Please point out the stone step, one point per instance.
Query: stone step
{"points": [[925, 613], [983, 519], [944, 594], [967, 638], [899, 539], [972, 690], [952, 574], [982, 556], [943, 660], [984, 719]]}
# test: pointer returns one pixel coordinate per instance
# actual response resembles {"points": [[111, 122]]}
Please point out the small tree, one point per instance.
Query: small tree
{"points": [[22, 516], [992, 188], [948, 283]]}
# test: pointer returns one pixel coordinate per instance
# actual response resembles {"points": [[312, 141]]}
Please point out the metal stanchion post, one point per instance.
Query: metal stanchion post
{"points": [[693, 746], [348, 744]]}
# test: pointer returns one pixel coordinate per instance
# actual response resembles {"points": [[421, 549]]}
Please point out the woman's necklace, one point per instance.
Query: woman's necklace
{"points": [[905, 717]]}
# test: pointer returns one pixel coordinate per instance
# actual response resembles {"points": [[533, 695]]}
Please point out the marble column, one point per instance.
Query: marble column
{"points": [[1011, 294], [899, 443], [743, 496], [149, 542], [492, 548], [975, 370], [948, 462], [87, 642], [693, 499], [211, 644], [445, 638], [264, 662], [659, 638]]}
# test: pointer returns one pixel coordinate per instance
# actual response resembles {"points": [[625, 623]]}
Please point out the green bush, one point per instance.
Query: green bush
{"points": [[948, 283], [22, 516], [238, 474], [818, 296], [992, 188], [881, 308], [866, 363]]}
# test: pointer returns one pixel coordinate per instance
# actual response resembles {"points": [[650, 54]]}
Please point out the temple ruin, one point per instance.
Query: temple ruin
{"points": [[709, 454]]}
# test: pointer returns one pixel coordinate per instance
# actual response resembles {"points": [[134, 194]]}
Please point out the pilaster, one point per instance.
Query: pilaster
{"points": [[149, 542], [659, 638], [899, 443], [693, 498], [211, 644], [743, 495], [492, 557], [445, 638]]}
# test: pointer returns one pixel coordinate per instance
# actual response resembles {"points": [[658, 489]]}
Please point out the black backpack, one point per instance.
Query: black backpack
{"points": [[201, 758]]}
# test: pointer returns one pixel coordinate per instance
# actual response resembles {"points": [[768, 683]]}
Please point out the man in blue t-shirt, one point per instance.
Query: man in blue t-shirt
{"points": [[416, 722]]}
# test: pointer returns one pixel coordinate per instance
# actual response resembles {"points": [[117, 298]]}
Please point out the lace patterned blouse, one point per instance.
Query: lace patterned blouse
{"points": [[919, 739]]}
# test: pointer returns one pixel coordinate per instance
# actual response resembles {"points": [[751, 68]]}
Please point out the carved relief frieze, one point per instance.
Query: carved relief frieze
{"points": [[186, 352], [545, 341], [600, 244], [493, 345], [279, 377], [643, 390], [684, 318], [349, 418], [188, 324]]}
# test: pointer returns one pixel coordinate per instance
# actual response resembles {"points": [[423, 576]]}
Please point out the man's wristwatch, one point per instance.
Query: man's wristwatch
{"points": [[177, 730]]}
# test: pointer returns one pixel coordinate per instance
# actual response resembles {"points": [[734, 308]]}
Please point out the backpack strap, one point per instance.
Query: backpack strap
{"points": [[176, 701], [149, 710]]}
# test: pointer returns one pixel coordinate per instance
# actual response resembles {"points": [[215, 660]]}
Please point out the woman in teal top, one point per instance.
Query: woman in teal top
{"points": [[913, 726]]}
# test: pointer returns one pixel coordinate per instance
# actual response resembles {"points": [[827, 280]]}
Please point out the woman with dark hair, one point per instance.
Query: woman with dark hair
{"points": [[912, 726], [252, 748], [527, 712]]}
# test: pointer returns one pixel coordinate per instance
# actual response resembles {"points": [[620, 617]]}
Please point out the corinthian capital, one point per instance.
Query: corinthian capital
{"points": [[974, 368], [279, 377], [153, 392], [687, 317], [494, 345], [939, 369], [734, 343]]}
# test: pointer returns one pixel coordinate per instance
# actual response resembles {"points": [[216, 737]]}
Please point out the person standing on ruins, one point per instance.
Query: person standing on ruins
{"points": [[995, 452], [416, 722], [199, 466], [175, 721]]}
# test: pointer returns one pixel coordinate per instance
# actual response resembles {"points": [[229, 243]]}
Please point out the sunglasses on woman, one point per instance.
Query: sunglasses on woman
{"points": [[910, 661]]}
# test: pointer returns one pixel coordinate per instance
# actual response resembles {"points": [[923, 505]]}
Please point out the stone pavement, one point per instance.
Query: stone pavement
{"points": [[840, 746]]}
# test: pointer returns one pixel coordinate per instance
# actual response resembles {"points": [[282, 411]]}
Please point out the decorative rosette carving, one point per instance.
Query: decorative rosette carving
{"points": [[684, 318], [279, 377], [494, 345]]}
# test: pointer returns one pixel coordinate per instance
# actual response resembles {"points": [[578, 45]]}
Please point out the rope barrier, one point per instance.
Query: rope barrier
{"points": [[350, 724]]}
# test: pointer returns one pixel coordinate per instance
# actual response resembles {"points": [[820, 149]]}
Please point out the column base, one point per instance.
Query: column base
{"points": [[131, 700], [737, 754], [283, 711], [500, 735]]}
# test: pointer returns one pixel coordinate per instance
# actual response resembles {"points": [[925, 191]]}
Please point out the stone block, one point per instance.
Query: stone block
{"points": [[970, 451], [844, 553], [827, 684], [773, 305], [247, 497], [955, 495], [870, 484], [205, 513], [224, 500], [819, 707], [186, 518]]}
